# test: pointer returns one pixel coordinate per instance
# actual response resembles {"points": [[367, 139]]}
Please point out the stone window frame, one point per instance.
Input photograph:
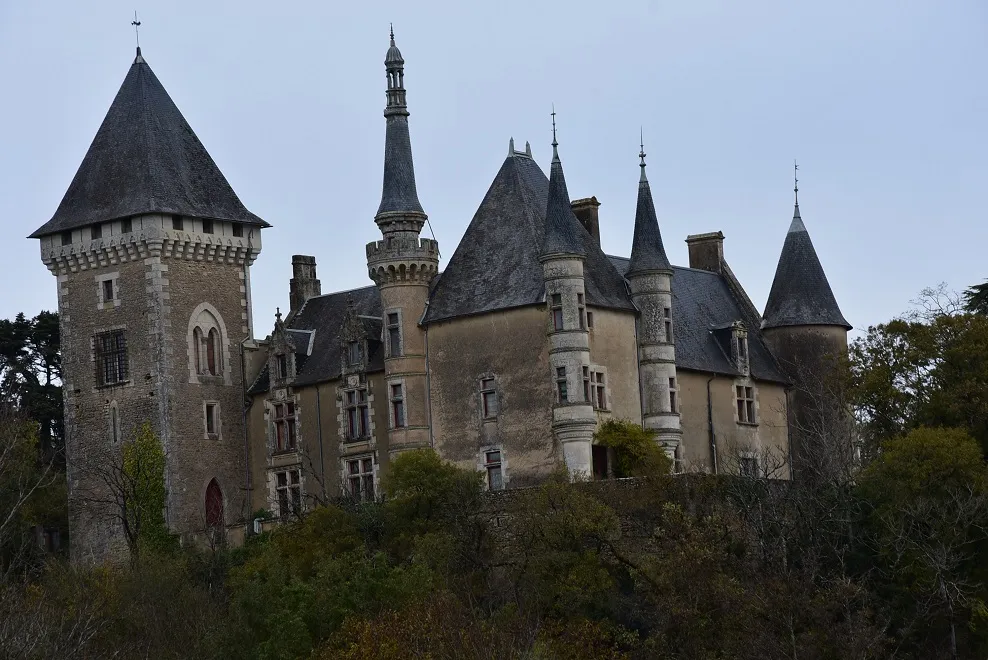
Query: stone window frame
{"points": [[562, 386], [674, 401], [222, 354], [403, 401], [484, 391], [346, 407], [387, 327], [101, 301], [94, 358], [753, 408], [290, 421], [670, 335], [581, 307], [592, 384], [740, 348], [217, 419], [557, 318], [113, 412], [275, 488], [361, 475], [484, 465]]}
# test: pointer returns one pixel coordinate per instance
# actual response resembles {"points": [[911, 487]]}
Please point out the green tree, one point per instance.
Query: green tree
{"points": [[636, 453], [976, 299]]}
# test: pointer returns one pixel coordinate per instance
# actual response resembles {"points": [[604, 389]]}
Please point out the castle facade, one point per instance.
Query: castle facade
{"points": [[505, 362]]}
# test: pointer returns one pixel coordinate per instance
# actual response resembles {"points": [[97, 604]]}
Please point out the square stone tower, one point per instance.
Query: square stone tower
{"points": [[152, 249]]}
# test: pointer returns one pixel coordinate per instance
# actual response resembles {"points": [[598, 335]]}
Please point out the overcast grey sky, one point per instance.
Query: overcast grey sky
{"points": [[883, 102]]}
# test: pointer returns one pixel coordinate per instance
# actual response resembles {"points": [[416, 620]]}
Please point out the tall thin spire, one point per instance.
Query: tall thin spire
{"points": [[795, 176], [562, 229], [648, 254], [797, 221], [555, 144], [641, 153]]}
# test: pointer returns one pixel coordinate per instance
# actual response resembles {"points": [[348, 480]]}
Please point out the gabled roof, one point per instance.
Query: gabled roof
{"points": [[702, 301], [647, 251], [496, 265], [801, 294], [145, 158]]}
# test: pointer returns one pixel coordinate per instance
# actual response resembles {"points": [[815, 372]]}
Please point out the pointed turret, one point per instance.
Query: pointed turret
{"points": [[647, 251], [801, 294], [399, 198], [562, 229], [145, 158]]}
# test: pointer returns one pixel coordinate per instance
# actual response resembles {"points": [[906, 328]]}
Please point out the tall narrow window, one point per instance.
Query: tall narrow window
{"points": [[587, 393], [557, 311], [114, 423], [97, 231], [583, 311], [177, 223], [282, 361], [211, 341], [358, 415], [495, 475], [673, 404], [111, 358], [590, 320], [197, 345], [561, 384], [108, 290], [212, 419], [394, 334], [488, 398], [285, 427], [207, 226], [353, 353], [598, 390], [667, 316], [289, 491], [360, 478], [397, 406], [214, 505], [746, 404]]}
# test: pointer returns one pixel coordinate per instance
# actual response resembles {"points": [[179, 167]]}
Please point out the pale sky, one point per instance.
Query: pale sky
{"points": [[884, 103]]}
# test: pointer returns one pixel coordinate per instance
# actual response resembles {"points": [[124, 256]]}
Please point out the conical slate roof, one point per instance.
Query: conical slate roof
{"points": [[801, 294], [496, 265], [647, 251], [562, 229], [145, 158]]}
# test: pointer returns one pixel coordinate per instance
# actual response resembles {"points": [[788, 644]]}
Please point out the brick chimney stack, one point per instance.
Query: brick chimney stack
{"points": [[585, 211], [707, 251], [303, 284]]}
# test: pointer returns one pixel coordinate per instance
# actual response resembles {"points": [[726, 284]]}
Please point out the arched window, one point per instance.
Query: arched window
{"points": [[211, 345], [197, 345], [214, 505]]}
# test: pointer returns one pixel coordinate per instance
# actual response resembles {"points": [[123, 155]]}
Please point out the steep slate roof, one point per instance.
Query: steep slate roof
{"points": [[702, 301], [496, 265], [562, 229], [145, 158], [324, 315], [398, 191], [647, 251], [801, 294]]}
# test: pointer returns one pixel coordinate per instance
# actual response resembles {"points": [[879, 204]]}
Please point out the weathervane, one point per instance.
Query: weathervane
{"points": [[136, 23], [641, 154], [795, 176], [553, 114]]}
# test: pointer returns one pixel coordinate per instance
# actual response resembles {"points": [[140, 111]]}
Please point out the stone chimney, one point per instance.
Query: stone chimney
{"points": [[303, 284], [585, 211], [707, 251]]}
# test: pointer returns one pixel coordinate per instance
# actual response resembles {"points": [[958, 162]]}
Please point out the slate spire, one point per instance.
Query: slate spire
{"points": [[562, 229], [647, 251], [801, 294], [398, 194], [145, 158]]}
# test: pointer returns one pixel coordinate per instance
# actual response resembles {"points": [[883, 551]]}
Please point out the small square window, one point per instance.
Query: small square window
{"points": [[108, 290], [66, 238], [126, 226], [97, 231], [238, 230], [177, 223], [207, 226]]}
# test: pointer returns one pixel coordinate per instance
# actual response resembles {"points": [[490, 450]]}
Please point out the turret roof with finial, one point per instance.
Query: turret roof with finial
{"points": [[394, 55], [398, 192], [647, 252], [562, 229], [145, 158], [801, 294]]}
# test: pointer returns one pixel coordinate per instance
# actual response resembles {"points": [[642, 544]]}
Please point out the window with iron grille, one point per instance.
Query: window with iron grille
{"points": [[394, 334], [397, 406], [495, 473], [285, 427], [488, 398], [357, 414], [557, 311], [360, 478], [288, 488], [111, 358], [746, 404]]}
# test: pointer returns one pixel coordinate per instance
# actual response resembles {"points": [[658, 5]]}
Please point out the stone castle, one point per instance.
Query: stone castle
{"points": [[504, 362]]}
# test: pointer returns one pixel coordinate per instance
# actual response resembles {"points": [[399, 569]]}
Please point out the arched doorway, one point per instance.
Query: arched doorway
{"points": [[214, 505]]}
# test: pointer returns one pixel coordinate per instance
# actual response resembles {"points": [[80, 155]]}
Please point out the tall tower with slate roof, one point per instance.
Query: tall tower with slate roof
{"points": [[806, 331], [402, 265], [650, 281], [152, 248], [562, 257]]}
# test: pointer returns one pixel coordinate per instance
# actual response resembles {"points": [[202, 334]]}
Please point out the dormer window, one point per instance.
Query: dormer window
{"points": [[282, 361], [739, 347], [353, 353]]}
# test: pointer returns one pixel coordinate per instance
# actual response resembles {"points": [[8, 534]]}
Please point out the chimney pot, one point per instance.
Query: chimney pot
{"points": [[586, 211], [304, 284]]}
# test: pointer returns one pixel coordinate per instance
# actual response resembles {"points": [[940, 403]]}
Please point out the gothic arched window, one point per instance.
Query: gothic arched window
{"points": [[214, 505], [208, 344], [212, 339], [197, 344]]}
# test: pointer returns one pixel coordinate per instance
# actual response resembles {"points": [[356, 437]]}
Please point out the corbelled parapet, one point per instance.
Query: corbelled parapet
{"points": [[401, 259]]}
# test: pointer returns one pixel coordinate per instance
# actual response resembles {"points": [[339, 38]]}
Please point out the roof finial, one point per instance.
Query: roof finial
{"points": [[555, 153], [641, 153], [795, 175], [137, 35], [392, 33], [277, 314]]}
